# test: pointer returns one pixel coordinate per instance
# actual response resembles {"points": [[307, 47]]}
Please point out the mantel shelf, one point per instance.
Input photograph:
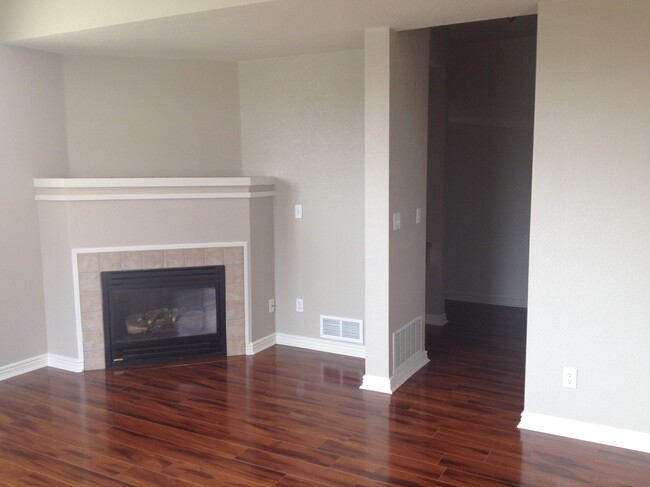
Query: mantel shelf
{"points": [[103, 189]]}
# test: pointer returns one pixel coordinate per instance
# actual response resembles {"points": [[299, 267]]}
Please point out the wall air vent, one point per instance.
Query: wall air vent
{"points": [[408, 341], [344, 329]]}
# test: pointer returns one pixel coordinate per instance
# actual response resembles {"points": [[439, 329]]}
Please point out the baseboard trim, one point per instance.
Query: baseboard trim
{"points": [[486, 299], [389, 385], [376, 384], [436, 320], [261, 344], [65, 363], [321, 345], [578, 430], [23, 366]]}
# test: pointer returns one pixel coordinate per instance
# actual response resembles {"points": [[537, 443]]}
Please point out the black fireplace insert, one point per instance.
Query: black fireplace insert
{"points": [[164, 315]]}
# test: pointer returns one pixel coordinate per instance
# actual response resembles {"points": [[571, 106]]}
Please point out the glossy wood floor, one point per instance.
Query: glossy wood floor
{"points": [[289, 417]]}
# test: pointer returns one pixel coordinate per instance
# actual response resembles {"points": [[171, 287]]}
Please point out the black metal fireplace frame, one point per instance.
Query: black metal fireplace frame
{"points": [[163, 350]]}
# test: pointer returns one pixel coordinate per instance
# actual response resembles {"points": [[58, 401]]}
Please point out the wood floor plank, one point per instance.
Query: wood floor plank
{"points": [[291, 417], [10, 471]]}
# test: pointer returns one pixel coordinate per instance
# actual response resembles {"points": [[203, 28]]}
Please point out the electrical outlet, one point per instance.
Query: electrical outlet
{"points": [[298, 211], [272, 305], [299, 305], [570, 377]]}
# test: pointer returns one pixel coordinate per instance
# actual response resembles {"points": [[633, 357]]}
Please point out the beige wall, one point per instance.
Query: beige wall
{"points": [[409, 91], [396, 113], [590, 233], [146, 118], [302, 121], [262, 264], [376, 206], [33, 144]]}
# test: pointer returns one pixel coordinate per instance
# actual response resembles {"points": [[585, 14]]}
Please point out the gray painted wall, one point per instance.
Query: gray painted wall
{"points": [[590, 226], [302, 122], [147, 117], [32, 123], [396, 113]]}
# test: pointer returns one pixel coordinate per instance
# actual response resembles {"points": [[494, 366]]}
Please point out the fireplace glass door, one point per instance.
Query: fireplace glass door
{"points": [[163, 314]]}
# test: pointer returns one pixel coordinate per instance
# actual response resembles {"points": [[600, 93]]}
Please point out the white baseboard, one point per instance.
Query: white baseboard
{"points": [[40, 361], [23, 366], [321, 345], [65, 363], [390, 385], [436, 320], [261, 344], [376, 384], [578, 430], [487, 299]]}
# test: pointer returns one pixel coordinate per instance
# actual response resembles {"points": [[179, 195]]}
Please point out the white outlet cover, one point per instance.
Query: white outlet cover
{"points": [[298, 211], [299, 305], [570, 377], [397, 221]]}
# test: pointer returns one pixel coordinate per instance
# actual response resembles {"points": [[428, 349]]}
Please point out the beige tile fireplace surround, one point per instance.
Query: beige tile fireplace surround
{"points": [[89, 266], [94, 225]]}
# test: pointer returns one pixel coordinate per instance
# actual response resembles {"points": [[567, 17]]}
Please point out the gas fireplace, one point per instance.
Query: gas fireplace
{"points": [[163, 315]]}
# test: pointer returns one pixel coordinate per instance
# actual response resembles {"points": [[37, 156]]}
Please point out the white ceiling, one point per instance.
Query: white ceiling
{"points": [[271, 29]]}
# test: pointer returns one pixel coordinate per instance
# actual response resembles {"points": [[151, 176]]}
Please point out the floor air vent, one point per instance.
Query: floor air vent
{"points": [[407, 341], [344, 329]]}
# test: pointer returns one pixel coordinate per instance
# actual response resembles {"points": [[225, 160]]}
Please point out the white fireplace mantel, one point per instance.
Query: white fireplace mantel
{"points": [[105, 189]]}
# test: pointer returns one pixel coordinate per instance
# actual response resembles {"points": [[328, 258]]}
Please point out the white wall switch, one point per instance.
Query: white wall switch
{"points": [[299, 305], [397, 221], [418, 215], [298, 211], [272, 305]]}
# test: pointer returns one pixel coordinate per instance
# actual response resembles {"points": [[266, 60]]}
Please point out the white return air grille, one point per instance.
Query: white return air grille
{"points": [[344, 329], [407, 342]]}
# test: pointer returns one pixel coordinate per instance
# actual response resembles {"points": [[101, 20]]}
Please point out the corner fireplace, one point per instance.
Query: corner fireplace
{"points": [[163, 315]]}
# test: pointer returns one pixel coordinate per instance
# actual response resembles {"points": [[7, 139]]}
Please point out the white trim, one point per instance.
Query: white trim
{"points": [[579, 430], [23, 366], [151, 196], [248, 332], [389, 385], [376, 384], [487, 299], [151, 182], [321, 345], [261, 344], [77, 303], [65, 363], [436, 320], [408, 368], [141, 248]]}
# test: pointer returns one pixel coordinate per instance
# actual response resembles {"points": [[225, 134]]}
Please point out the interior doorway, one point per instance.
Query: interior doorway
{"points": [[481, 117]]}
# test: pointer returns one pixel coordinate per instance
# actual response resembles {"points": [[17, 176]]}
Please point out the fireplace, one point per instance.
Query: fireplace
{"points": [[162, 315]]}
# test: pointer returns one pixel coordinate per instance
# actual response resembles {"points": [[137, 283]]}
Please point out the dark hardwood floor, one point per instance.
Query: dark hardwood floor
{"points": [[290, 417]]}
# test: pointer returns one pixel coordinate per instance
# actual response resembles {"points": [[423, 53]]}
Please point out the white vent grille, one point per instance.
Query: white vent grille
{"points": [[407, 341], [344, 329]]}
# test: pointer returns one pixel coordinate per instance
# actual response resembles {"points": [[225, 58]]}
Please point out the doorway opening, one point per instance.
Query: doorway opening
{"points": [[481, 119]]}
